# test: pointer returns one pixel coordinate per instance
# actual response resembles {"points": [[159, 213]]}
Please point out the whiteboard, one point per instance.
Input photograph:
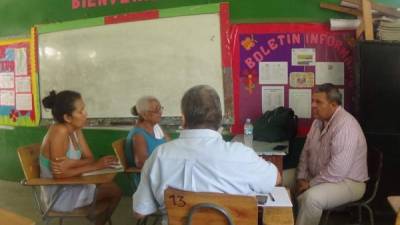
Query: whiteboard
{"points": [[113, 65]]}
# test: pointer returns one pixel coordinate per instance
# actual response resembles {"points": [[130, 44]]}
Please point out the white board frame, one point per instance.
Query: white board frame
{"points": [[65, 62]]}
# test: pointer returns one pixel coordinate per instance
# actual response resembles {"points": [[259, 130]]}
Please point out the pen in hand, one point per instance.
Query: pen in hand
{"points": [[271, 197]]}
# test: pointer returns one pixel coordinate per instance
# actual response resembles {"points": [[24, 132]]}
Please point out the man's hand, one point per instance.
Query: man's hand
{"points": [[301, 186]]}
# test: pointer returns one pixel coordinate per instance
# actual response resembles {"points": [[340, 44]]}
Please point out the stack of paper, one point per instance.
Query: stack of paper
{"points": [[278, 197], [389, 30]]}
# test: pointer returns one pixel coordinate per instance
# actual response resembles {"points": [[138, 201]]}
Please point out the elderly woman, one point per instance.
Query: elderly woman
{"points": [[65, 153], [147, 134]]}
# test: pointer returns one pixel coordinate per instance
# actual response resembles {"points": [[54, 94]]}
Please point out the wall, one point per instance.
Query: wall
{"points": [[17, 16]]}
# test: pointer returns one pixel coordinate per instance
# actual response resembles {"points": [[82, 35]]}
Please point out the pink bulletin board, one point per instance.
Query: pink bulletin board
{"points": [[307, 54], [18, 82]]}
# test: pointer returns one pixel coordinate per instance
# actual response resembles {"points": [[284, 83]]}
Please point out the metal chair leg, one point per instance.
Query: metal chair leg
{"points": [[359, 216], [326, 219], [144, 221], [139, 222], [157, 218], [132, 184], [371, 214]]}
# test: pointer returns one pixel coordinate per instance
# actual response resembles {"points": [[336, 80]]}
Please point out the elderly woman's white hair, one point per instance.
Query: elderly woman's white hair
{"points": [[142, 105]]}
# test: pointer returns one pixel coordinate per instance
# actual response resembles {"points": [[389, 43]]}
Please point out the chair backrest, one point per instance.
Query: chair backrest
{"points": [[375, 163], [29, 159], [119, 150], [241, 209]]}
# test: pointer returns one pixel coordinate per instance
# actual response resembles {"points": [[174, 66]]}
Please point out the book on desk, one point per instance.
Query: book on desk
{"points": [[114, 169]]}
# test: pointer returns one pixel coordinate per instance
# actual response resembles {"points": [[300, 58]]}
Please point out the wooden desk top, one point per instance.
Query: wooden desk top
{"points": [[265, 148], [278, 216], [95, 179], [394, 201], [10, 218]]}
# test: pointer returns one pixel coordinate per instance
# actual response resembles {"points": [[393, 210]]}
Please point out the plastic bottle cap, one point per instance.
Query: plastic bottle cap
{"points": [[248, 120]]}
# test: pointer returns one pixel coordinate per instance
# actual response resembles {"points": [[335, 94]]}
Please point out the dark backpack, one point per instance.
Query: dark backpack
{"points": [[279, 124]]}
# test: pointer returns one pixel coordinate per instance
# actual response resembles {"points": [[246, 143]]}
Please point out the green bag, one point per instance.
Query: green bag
{"points": [[279, 124]]}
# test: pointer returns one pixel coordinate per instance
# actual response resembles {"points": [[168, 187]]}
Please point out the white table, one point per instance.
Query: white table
{"points": [[265, 150]]}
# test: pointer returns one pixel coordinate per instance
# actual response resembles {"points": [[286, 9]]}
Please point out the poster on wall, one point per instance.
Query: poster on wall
{"points": [[18, 83], [284, 62]]}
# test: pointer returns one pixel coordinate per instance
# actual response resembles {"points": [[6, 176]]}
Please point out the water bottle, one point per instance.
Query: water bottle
{"points": [[248, 133]]}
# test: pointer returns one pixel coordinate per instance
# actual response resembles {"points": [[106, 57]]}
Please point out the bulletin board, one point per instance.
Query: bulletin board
{"points": [[18, 83], [279, 65], [117, 59]]}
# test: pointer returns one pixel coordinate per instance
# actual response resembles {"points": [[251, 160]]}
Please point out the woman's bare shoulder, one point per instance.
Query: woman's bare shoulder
{"points": [[57, 130]]}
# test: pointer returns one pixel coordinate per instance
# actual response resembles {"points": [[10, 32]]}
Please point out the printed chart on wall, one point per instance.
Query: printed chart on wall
{"points": [[280, 64], [17, 79]]}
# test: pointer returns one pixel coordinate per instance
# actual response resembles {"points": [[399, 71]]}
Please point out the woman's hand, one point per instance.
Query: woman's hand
{"points": [[62, 165], [106, 162]]}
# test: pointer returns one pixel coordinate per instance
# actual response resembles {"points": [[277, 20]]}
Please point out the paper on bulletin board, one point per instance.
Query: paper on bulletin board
{"points": [[272, 97], [303, 56], [300, 102], [301, 79], [329, 72], [6, 80], [273, 72], [23, 84], [7, 98], [23, 102], [21, 66]]}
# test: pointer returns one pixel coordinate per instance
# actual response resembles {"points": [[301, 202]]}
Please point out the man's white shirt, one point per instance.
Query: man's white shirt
{"points": [[201, 161]]}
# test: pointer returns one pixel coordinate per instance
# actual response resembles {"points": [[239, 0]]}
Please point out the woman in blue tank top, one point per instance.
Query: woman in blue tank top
{"points": [[147, 134], [65, 153]]}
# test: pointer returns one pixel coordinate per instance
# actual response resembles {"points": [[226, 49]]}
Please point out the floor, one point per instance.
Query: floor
{"points": [[19, 199]]}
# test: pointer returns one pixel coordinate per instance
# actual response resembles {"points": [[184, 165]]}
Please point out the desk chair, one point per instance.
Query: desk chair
{"points": [[199, 208], [119, 149], [29, 159], [375, 162]]}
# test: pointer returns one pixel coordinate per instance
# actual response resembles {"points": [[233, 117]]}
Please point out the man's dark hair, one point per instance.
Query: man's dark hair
{"points": [[201, 108], [333, 94]]}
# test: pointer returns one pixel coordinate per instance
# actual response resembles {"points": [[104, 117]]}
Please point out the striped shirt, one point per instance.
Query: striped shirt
{"points": [[334, 151]]}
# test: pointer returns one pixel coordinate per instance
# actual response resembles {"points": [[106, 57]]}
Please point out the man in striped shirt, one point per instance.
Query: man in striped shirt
{"points": [[333, 164]]}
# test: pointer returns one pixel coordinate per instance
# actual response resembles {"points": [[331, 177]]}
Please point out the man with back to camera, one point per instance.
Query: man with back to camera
{"points": [[333, 164], [200, 160]]}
